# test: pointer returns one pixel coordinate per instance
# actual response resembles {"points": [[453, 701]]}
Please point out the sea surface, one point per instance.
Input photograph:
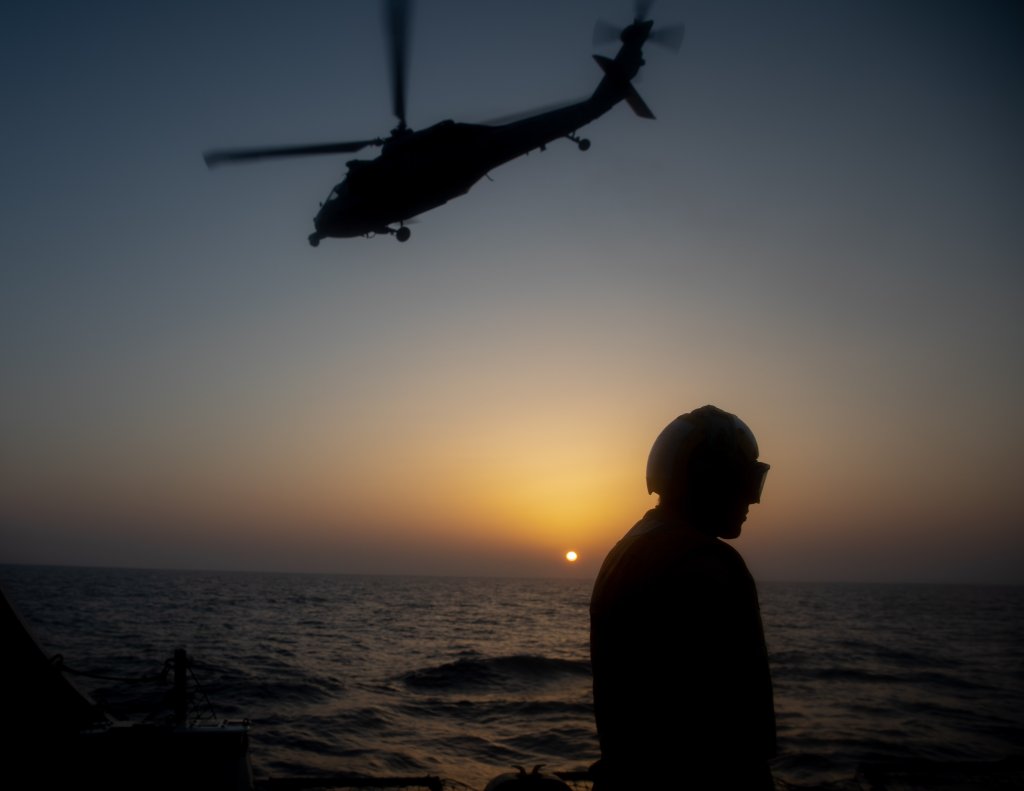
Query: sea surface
{"points": [[463, 677]]}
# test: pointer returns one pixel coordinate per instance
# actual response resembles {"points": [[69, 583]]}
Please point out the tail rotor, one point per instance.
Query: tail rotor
{"points": [[670, 37]]}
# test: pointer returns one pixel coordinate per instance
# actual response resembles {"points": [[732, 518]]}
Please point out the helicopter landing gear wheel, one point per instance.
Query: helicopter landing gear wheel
{"points": [[582, 142], [403, 234], [314, 240]]}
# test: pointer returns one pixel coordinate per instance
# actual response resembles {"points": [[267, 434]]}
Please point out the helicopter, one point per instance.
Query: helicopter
{"points": [[421, 170]]}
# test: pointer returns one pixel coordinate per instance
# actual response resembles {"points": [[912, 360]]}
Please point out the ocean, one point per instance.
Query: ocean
{"points": [[466, 677]]}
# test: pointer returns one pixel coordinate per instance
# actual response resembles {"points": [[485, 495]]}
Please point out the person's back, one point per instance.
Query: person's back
{"points": [[682, 691]]}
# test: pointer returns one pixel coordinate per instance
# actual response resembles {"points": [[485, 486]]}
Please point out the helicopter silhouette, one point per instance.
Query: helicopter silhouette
{"points": [[421, 170]]}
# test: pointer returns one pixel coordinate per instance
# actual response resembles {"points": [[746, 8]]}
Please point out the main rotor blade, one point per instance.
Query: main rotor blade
{"points": [[511, 118], [397, 21], [220, 156]]}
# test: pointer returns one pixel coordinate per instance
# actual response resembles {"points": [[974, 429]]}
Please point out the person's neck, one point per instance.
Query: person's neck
{"points": [[684, 515]]}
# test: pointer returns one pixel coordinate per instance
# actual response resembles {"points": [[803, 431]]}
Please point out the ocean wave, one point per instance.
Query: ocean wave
{"points": [[495, 672]]}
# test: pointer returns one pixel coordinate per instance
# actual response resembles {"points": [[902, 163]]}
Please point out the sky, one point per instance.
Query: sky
{"points": [[821, 232]]}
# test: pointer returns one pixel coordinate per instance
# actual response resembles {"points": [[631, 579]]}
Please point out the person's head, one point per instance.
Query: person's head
{"points": [[704, 466]]}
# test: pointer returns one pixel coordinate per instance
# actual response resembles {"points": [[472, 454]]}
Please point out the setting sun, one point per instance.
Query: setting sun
{"points": [[571, 556]]}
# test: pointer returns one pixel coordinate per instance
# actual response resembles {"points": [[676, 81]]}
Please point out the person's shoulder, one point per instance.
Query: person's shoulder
{"points": [[662, 540], [651, 523], [654, 547]]}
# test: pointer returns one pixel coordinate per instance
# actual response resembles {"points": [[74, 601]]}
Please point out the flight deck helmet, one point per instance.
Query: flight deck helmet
{"points": [[704, 444]]}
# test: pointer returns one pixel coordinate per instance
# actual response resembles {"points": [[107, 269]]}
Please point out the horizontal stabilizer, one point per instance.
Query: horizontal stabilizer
{"points": [[615, 75], [607, 66]]}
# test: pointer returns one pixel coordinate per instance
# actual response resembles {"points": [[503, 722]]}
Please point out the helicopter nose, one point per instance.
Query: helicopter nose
{"points": [[334, 218], [327, 208]]}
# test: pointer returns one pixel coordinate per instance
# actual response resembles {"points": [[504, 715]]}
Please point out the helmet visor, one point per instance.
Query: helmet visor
{"points": [[758, 473]]}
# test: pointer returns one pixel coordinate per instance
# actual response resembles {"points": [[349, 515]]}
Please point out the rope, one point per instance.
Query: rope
{"points": [[199, 688], [196, 712]]}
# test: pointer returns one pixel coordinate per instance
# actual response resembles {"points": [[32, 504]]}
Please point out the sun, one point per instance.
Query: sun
{"points": [[571, 556]]}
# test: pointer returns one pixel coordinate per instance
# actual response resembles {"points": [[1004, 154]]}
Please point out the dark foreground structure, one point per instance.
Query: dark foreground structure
{"points": [[54, 736]]}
